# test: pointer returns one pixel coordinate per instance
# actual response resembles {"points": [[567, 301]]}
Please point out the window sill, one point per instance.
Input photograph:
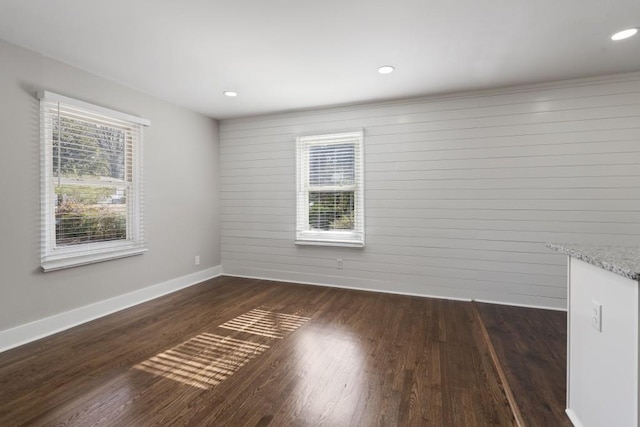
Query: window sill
{"points": [[69, 261], [344, 244]]}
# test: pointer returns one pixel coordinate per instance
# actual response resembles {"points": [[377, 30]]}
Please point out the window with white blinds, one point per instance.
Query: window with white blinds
{"points": [[91, 183], [330, 190]]}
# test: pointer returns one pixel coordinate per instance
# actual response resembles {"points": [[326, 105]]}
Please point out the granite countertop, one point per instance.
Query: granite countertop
{"points": [[624, 261]]}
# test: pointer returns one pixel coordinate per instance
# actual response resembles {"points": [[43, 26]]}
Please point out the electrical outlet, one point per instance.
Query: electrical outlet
{"points": [[197, 260], [339, 263], [596, 315]]}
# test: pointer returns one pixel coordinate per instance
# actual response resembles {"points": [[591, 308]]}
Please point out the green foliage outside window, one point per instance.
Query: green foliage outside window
{"points": [[331, 210], [84, 194], [85, 151], [81, 223]]}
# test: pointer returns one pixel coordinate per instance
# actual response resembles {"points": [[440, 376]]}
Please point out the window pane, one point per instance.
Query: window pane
{"points": [[87, 214], [331, 210], [83, 149], [332, 164]]}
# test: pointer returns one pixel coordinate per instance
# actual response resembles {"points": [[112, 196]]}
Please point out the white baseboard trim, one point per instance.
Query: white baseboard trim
{"points": [[573, 417], [41, 328], [365, 289], [542, 307], [353, 288]]}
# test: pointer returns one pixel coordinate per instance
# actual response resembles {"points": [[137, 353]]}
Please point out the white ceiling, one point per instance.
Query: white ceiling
{"points": [[288, 54]]}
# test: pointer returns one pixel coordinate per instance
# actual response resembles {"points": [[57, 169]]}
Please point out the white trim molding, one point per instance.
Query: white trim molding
{"points": [[54, 97], [351, 288], [23, 334], [513, 304], [84, 259], [573, 418]]}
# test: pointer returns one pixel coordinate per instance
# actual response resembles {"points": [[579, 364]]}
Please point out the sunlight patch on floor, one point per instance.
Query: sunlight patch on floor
{"points": [[266, 323], [204, 361]]}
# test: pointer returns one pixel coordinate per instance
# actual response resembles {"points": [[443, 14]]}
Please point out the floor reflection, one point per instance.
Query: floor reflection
{"points": [[332, 371], [204, 361], [266, 323]]}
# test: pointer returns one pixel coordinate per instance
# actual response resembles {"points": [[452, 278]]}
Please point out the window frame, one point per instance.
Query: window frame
{"points": [[345, 238], [54, 257]]}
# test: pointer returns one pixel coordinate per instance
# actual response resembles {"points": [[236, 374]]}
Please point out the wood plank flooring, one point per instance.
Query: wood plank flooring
{"points": [[241, 352], [531, 345]]}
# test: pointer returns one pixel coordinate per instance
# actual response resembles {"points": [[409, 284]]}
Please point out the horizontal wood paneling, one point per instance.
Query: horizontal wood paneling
{"points": [[274, 223], [421, 142], [388, 252], [542, 94], [462, 192]]}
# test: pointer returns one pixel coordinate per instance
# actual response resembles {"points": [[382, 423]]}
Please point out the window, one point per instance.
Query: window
{"points": [[91, 183], [330, 193]]}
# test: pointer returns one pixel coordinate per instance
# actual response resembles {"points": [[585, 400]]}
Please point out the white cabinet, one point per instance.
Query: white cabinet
{"points": [[602, 374]]}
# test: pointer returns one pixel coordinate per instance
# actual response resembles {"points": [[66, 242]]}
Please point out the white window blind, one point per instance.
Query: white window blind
{"points": [[91, 183], [330, 189]]}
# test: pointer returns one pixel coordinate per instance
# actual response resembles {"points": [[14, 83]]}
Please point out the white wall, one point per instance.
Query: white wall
{"points": [[462, 192], [181, 192]]}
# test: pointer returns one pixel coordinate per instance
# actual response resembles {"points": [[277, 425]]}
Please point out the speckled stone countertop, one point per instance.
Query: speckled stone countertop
{"points": [[617, 259]]}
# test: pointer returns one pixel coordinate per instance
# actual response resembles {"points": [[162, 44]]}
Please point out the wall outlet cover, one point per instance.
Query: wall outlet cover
{"points": [[596, 315]]}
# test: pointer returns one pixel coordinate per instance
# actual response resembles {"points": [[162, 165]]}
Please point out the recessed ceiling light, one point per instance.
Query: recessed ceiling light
{"points": [[386, 69], [230, 93], [624, 34]]}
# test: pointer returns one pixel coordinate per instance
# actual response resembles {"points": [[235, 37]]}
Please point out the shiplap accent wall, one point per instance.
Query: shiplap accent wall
{"points": [[462, 192]]}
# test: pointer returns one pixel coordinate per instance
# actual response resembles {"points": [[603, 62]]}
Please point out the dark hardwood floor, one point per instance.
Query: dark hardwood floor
{"points": [[531, 346], [241, 352]]}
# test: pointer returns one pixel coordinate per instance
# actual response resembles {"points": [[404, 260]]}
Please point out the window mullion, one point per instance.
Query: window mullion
{"points": [[332, 189]]}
